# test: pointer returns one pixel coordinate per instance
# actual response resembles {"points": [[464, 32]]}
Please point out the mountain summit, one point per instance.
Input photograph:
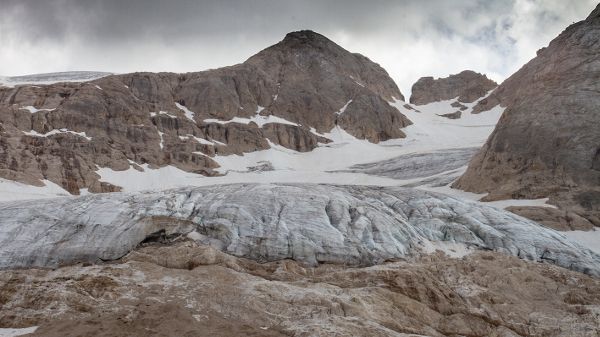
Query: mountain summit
{"points": [[323, 59]]}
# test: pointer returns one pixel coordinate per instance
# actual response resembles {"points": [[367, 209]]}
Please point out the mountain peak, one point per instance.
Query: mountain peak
{"points": [[307, 35], [304, 40], [315, 59]]}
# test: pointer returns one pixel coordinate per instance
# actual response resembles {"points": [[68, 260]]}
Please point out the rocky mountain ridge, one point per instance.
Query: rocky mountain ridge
{"points": [[467, 86], [289, 94], [547, 143]]}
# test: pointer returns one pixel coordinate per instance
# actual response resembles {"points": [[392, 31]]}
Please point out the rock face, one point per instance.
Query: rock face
{"points": [[554, 218], [467, 85], [63, 132], [453, 115], [547, 143], [352, 225]]}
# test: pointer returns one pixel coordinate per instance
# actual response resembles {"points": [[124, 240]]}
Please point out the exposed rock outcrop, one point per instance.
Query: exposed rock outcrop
{"points": [[192, 290], [547, 142], [554, 218], [63, 132], [453, 115], [467, 85], [350, 225]]}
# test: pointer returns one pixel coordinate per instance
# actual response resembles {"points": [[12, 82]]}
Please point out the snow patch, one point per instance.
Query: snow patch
{"points": [[55, 132], [11, 190], [13, 332], [258, 119], [587, 239], [33, 109], [150, 179], [199, 140], [357, 82], [341, 111], [430, 131], [543, 202], [218, 142], [314, 132], [167, 114], [160, 134], [188, 114], [154, 114]]}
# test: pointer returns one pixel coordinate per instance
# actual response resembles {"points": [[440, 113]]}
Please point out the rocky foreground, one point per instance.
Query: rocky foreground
{"points": [[186, 289]]}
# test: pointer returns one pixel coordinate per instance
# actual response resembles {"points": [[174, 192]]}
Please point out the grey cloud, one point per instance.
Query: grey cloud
{"points": [[408, 38]]}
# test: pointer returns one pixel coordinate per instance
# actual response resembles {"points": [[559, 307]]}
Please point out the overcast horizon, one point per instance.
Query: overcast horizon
{"points": [[410, 39]]}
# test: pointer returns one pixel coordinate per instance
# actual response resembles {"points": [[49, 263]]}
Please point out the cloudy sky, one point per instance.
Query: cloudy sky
{"points": [[409, 38]]}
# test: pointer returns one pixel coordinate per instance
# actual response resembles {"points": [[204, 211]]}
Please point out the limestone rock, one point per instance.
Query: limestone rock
{"points": [[293, 137], [453, 115], [461, 107], [547, 143], [467, 85], [553, 218], [186, 289], [63, 132], [372, 118]]}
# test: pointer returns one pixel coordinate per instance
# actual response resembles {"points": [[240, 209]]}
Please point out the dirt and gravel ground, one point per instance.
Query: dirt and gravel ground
{"points": [[190, 290]]}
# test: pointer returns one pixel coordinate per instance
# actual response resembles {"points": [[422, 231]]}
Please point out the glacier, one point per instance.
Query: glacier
{"points": [[309, 223]]}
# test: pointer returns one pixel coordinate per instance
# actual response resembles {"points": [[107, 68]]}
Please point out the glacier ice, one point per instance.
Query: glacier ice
{"points": [[354, 225]]}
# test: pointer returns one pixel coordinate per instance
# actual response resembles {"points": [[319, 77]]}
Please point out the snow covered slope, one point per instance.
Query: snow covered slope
{"points": [[49, 78], [435, 152], [326, 163], [430, 134], [354, 225], [433, 139]]}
